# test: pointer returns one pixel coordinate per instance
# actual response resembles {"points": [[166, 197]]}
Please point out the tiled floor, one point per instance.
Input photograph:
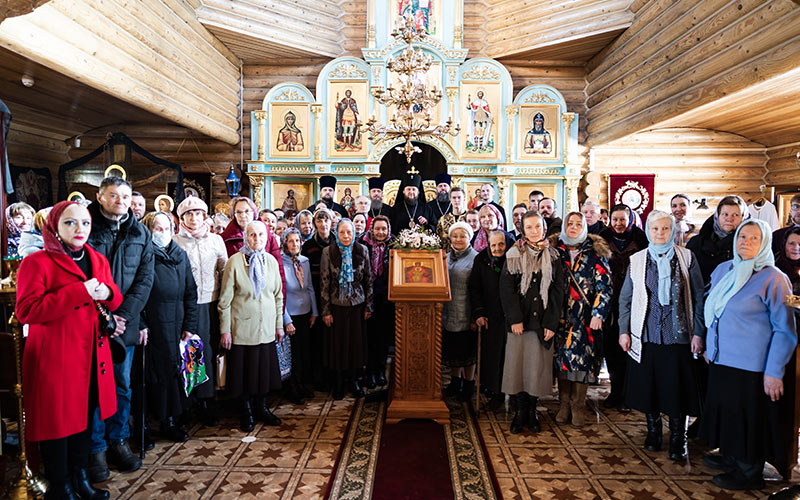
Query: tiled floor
{"points": [[603, 460], [292, 461]]}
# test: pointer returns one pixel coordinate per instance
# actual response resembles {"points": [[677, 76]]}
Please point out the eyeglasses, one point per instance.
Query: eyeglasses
{"points": [[243, 212]]}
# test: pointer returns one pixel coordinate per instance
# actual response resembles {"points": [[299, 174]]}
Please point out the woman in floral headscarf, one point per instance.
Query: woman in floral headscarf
{"points": [[490, 220], [380, 326], [346, 303]]}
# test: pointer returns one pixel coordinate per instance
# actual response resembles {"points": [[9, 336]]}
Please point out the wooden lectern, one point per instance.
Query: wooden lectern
{"points": [[419, 283]]}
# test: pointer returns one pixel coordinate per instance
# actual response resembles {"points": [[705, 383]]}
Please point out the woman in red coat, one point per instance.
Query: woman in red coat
{"points": [[66, 368]]}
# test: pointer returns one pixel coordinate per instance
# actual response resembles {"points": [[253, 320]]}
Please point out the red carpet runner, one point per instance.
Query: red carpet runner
{"points": [[413, 462]]}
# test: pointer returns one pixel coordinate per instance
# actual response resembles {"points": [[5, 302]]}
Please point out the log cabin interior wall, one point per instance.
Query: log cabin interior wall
{"points": [[698, 162]]}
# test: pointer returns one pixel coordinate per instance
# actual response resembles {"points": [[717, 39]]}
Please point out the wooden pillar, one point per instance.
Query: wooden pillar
{"points": [[261, 116], [571, 183], [257, 183], [567, 118]]}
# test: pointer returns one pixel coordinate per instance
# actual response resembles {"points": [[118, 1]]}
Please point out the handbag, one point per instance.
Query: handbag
{"points": [[107, 323], [284, 348]]}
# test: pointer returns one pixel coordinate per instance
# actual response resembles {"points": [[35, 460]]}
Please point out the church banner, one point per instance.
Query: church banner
{"points": [[636, 191]]}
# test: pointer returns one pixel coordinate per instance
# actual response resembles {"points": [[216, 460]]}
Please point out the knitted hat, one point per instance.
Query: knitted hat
{"points": [[461, 225], [191, 203]]}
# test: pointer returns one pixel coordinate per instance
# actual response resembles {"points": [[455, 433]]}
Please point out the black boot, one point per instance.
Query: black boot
{"points": [[380, 378], [743, 476], [358, 391], [172, 432], [467, 391], [263, 413], [84, 489], [121, 456], [208, 413], [98, 468], [677, 438], [291, 394], [370, 382], [653, 440], [246, 421], [61, 492], [533, 418], [453, 389], [136, 438], [338, 388], [521, 414]]}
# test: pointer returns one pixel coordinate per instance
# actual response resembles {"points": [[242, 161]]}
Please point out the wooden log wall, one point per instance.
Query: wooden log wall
{"points": [[28, 149], [698, 162], [515, 26], [783, 169], [151, 53], [680, 54]]}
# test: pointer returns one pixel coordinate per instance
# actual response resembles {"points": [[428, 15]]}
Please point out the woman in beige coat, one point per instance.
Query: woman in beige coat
{"points": [[251, 320]]}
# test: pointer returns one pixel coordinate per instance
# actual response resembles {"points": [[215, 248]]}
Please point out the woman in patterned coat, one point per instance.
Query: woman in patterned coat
{"points": [[587, 280]]}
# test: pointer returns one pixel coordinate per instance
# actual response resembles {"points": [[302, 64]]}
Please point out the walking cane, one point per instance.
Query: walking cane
{"points": [[142, 416], [478, 377]]}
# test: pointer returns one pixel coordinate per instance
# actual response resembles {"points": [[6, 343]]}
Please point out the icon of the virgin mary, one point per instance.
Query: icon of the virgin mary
{"points": [[290, 138]]}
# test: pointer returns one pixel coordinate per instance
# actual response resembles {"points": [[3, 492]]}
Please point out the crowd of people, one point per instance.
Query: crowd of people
{"points": [[690, 319]]}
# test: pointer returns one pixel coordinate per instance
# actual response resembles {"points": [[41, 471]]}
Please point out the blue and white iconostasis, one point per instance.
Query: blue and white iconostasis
{"points": [[519, 141]]}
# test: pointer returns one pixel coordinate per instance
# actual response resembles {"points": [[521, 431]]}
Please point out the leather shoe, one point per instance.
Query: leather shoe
{"points": [[369, 382], [136, 439], [98, 468], [358, 391], [172, 432], [719, 462], [263, 413], [121, 456], [60, 492], [246, 421], [735, 480], [84, 489], [380, 379]]}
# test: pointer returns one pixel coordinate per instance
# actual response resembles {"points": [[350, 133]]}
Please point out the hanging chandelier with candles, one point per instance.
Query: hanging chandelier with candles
{"points": [[412, 100]]}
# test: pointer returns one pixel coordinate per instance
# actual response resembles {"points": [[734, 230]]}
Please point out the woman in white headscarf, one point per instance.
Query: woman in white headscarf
{"points": [[587, 280], [751, 336], [532, 292], [661, 326], [251, 320]]}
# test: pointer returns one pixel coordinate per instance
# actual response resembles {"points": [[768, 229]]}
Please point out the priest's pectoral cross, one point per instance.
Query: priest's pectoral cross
{"points": [[413, 170]]}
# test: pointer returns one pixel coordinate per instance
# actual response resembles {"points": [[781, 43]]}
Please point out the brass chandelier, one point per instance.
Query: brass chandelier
{"points": [[412, 99]]}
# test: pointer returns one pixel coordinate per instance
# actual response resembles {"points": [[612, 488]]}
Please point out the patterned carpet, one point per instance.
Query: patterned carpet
{"points": [[602, 460], [292, 461]]}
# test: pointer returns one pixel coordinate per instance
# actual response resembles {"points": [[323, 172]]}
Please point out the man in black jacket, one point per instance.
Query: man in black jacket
{"points": [[126, 243]]}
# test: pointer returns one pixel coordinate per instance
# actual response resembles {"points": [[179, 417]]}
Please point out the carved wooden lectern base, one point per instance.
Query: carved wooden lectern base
{"points": [[417, 389]]}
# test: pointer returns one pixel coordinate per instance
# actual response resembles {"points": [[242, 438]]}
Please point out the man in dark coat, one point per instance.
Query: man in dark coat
{"points": [[377, 206], [126, 244], [409, 208], [327, 190], [170, 314], [440, 206], [487, 198]]}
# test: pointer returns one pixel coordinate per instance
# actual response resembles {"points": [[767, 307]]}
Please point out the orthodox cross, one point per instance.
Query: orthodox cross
{"points": [[413, 170]]}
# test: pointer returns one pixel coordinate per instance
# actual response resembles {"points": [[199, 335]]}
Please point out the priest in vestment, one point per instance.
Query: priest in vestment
{"points": [[410, 209]]}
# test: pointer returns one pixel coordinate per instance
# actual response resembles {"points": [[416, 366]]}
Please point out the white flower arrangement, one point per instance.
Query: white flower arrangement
{"points": [[416, 239]]}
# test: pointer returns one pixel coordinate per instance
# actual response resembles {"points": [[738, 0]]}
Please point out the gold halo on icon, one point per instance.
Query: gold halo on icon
{"points": [[116, 168], [76, 196]]}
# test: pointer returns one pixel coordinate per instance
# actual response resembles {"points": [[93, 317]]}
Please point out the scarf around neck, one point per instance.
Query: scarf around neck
{"points": [[482, 238], [199, 233], [740, 273], [346, 272], [528, 261], [257, 260], [662, 255], [378, 251]]}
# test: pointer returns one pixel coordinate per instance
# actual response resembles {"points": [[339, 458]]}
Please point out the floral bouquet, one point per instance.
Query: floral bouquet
{"points": [[416, 239]]}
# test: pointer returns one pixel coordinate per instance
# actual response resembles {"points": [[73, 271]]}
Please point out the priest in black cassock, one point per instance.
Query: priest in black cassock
{"points": [[440, 206], [327, 190], [410, 209], [377, 206]]}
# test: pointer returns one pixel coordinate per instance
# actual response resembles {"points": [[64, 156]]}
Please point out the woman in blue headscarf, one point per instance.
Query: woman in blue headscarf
{"points": [[661, 326], [346, 304], [751, 336]]}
